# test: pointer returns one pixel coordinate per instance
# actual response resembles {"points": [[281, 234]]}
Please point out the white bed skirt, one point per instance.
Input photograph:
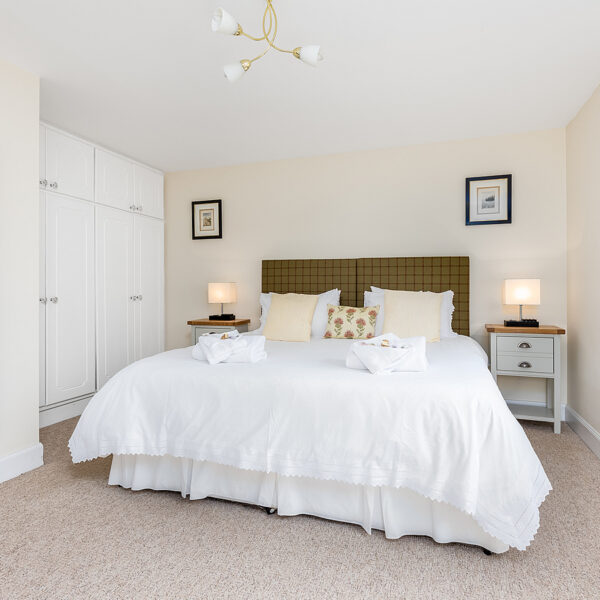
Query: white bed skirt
{"points": [[396, 511]]}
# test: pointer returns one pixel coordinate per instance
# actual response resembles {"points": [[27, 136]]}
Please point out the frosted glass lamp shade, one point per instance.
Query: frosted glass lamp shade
{"points": [[311, 55], [234, 71], [222, 293], [223, 22], [522, 291]]}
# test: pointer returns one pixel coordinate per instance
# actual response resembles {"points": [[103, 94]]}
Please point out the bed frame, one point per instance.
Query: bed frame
{"points": [[354, 276]]}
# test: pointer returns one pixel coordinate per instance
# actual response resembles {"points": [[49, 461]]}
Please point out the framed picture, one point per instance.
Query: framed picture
{"points": [[206, 220], [489, 200]]}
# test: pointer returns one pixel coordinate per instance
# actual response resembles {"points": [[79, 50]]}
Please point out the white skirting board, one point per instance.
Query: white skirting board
{"points": [[584, 430], [49, 415], [20, 462]]}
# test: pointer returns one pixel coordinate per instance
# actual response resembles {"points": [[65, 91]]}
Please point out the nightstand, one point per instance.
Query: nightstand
{"points": [[202, 326], [529, 352]]}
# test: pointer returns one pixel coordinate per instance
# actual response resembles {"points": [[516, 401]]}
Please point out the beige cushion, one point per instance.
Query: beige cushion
{"points": [[408, 314], [290, 317], [347, 322]]}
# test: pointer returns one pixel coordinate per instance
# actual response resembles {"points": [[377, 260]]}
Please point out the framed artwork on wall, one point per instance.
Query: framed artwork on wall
{"points": [[207, 222], [489, 200]]}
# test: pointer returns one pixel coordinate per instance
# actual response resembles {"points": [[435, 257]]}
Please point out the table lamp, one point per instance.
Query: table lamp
{"points": [[522, 291], [222, 293]]}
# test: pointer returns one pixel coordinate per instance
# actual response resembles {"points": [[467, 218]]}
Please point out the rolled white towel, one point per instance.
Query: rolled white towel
{"points": [[253, 352], [387, 353], [217, 347], [229, 347]]}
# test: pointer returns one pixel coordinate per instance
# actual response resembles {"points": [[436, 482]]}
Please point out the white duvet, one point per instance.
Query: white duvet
{"points": [[445, 433]]}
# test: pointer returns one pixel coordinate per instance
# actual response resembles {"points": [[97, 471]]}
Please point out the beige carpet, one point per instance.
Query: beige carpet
{"points": [[65, 534]]}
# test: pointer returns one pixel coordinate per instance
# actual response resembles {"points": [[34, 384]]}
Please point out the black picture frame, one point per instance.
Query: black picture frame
{"points": [[492, 221], [217, 204]]}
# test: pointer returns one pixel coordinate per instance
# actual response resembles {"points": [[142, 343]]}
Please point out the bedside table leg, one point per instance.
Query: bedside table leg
{"points": [[557, 405]]}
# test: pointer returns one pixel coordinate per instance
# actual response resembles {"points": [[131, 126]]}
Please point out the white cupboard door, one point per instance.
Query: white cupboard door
{"points": [[149, 278], [149, 190], [70, 339], [42, 300], [69, 165], [114, 180], [43, 180], [114, 284]]}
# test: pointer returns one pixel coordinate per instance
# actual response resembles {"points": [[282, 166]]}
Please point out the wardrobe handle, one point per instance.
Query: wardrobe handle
{"points": [[140, 297], [54, 185], [44, 182], [132, 207], [54, 299], [525, 365], [43, 300], [140, 207], [524, 345]]}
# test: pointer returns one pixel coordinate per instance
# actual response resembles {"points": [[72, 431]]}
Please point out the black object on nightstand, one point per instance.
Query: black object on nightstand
{"points": [[229, 317], [522, 323]]}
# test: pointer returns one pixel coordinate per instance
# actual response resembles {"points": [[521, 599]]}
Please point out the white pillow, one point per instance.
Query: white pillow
{"points": [[319, 322], [375, 296]]}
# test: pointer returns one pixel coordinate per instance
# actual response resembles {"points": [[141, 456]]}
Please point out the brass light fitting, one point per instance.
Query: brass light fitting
{"points": [[223, 22]]}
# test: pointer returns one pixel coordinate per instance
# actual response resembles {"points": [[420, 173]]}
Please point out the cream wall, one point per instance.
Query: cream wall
{"points": [[19, 251], [406, 201], [583, 169]]}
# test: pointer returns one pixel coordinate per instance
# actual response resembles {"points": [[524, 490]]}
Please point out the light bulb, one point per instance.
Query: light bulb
{"points": [[223, 22], [235, 71], [311, 55]]}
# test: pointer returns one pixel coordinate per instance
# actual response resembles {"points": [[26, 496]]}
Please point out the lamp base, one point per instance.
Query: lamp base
{"points": [[522, 323], [229, 317]]}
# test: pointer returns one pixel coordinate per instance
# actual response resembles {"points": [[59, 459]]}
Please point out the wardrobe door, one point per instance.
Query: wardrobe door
{"points": [[114, 285], [114, 180], [70, 339], [149, 286], [69, 165], [149, 192], [43, 299]]}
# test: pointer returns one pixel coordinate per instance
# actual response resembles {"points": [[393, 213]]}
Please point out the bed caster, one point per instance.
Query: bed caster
{"points": [[269, 511], [487, 552]]}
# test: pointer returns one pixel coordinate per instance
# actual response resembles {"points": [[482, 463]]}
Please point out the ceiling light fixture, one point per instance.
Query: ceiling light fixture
{"points": [[223, 22]]}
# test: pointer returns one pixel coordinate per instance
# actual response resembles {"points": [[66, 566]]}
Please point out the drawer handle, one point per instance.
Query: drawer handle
{"points": [[524, 345], [525, 365]]}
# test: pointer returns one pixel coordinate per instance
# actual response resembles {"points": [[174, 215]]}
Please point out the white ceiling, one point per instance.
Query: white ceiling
{"points": [[144, 77]]}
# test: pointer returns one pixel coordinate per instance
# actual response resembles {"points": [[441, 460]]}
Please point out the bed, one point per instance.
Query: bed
{"points": [[435, 453]]}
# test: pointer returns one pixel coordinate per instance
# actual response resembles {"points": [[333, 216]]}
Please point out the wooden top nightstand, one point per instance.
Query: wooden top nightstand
{"points": [[202, 326], [529, 352], [217, 323], [541, 330]]}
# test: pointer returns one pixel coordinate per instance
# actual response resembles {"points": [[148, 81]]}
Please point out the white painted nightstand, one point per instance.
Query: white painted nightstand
{"points": [[202, 326], [529, 352]]}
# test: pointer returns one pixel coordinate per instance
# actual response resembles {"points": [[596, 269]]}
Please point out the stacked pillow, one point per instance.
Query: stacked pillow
{"points": [[318, 322], [377, 297]]}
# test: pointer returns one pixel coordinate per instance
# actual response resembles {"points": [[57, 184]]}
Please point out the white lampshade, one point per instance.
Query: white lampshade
{"points": [[222, 293], [311, 55], [223, 22], [522, 291], [234, 71]]}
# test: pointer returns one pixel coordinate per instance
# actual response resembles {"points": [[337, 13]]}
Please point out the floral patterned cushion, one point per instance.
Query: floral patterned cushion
{"points": [[347, 322]]}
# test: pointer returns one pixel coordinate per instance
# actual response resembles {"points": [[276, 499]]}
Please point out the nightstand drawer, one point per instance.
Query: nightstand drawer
{"points": [[199, 330], [525, 345], [525, 364]]}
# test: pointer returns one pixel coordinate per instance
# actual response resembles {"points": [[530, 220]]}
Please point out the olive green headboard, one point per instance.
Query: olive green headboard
{"points": [[354, 276], [311, 276], [429, 274]]}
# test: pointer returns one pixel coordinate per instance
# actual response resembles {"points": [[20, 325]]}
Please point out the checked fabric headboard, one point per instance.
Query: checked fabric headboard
{"points": [[354, 276], [311, 276], [428, 274]]}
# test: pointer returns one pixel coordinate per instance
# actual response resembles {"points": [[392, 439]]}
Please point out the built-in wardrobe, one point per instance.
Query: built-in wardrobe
{"points": [[101, 269]]}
